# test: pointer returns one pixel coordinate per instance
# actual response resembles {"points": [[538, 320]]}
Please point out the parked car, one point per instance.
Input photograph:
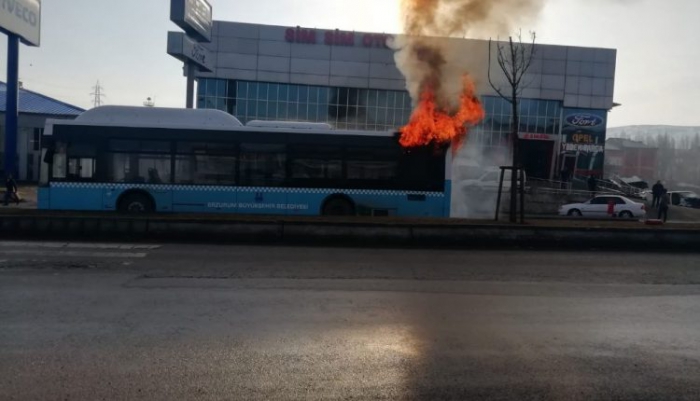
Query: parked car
{"points": [[685, 199], [598, 207], [489, 180]]}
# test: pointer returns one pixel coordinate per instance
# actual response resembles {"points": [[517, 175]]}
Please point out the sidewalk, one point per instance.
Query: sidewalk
{"points": [[27, 197], [676, 214]]}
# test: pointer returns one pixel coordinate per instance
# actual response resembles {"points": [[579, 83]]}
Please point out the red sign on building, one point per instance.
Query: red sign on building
{"points": [[537, 136], [336, 38]]}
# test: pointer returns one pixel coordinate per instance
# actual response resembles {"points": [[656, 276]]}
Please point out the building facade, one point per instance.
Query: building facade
{"points": [[350, 80], [628, 158], [34, 109]]}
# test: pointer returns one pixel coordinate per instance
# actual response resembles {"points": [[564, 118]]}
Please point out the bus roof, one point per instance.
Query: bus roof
{"points": [[301, 125], [157, 117], [202, 119]]}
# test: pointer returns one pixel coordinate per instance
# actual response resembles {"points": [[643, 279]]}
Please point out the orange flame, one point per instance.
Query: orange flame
{"points": [[431, 123]]}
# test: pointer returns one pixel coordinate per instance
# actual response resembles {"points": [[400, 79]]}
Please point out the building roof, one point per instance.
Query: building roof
{"points": [[36, 103]]}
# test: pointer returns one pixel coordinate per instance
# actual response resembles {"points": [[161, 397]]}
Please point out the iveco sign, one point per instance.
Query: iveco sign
{"points": [[22, 18], [194, 17], [584, 120]]}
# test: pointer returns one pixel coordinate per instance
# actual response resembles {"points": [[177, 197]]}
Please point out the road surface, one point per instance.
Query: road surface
{"points": [[179, 322]]}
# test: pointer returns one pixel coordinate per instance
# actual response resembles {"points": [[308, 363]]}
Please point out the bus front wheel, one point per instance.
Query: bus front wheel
{"points": [[338, 207], [136, 203]]}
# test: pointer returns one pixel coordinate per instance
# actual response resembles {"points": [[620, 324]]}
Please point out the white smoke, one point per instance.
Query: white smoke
{"points": [[473, 198]]}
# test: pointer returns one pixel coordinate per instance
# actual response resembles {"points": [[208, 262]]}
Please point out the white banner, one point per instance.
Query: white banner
{"points": [[578, 147]]}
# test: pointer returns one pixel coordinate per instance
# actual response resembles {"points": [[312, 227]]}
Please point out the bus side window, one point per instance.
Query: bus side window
{"points": [[60, 161], [263, 164], [139, 161], [44, 167], [371, 164], [316, 162], [81, 161]]}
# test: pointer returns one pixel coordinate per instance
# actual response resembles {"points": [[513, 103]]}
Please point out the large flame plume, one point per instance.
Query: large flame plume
{"points": [[437, 77], [431, 124]]}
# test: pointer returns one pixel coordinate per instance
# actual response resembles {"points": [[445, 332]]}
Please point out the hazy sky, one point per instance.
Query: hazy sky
{"points": [[122, 43]]}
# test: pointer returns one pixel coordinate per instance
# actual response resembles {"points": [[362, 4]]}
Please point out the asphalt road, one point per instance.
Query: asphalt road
{"points": [[178, 322]]}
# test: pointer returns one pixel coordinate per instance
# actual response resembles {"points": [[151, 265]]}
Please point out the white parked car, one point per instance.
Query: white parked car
{"points": [[598, 207], [489, 180]]}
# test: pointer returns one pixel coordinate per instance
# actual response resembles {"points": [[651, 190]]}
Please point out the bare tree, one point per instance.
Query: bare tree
{"points": [[514, 59]]}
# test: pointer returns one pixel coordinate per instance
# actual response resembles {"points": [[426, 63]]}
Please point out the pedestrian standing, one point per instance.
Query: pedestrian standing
{"points": [[10, 190], [565, 176], [663, 206], [592, 184], [657, 191]]}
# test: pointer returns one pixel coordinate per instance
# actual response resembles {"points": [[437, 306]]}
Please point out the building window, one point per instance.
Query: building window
{"points": [[35, 140], [344, 108], [536, 117]]}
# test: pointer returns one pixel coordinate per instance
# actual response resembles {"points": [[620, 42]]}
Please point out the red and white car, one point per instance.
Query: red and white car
{"points": [[598, 207]]}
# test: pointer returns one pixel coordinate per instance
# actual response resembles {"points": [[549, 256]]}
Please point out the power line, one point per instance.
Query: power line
{"points": [[97, 95]]}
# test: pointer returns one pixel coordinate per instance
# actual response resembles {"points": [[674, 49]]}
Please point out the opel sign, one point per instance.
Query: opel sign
{"points": [[194, 17], [22, 18], [584, 120]]}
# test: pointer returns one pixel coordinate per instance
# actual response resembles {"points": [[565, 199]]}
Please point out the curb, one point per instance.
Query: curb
{"points": [[366, 234]]}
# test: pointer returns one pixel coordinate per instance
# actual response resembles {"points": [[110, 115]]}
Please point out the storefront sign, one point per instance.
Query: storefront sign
{"points": [[537, 137], [335, 38], [185, 49], [584, 120], [22, 18], [582, 138], [194, 17], [575, 147]]}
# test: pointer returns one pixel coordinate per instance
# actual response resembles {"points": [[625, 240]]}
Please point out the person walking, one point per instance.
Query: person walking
{"points": [[663, 206], [10, 190], [657, 191]]}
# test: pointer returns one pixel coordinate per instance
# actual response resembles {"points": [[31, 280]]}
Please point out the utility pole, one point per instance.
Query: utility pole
{"points": [[21, 22], [12, 109], [97, 95]]}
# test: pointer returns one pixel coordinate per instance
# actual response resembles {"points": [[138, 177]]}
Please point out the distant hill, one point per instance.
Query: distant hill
{"points": [[641, 132]]}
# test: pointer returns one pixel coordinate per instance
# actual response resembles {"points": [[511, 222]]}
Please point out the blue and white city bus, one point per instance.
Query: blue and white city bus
{"points": [[139, 159]]}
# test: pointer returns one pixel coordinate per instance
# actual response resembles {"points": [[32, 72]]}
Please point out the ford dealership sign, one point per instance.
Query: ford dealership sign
{"points": [[22, 18], [584, 120]]}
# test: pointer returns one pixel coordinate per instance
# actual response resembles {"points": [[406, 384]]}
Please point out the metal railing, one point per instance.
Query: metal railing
{"points": [[576, 187]]}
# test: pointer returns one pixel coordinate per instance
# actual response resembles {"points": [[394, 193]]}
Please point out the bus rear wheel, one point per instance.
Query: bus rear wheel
{"points": [[136, 203], [338, 207]]}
